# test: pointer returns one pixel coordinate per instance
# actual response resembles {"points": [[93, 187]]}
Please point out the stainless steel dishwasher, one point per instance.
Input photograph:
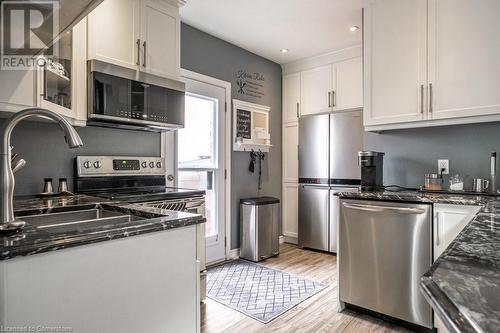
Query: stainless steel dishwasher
{"points": [[384, 249]]}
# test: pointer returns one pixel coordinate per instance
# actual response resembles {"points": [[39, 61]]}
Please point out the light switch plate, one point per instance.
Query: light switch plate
{"points": [[444, 164]]}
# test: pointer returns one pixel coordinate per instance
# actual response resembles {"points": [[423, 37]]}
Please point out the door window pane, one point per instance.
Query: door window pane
{"points": [[202, 180], [198, 139]]}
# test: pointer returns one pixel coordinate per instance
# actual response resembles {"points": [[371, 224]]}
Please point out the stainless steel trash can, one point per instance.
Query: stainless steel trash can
{"points": [[259, 225]]}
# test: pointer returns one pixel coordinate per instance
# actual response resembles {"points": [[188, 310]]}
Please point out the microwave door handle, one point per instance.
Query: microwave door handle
{"points": [[381, 209]]}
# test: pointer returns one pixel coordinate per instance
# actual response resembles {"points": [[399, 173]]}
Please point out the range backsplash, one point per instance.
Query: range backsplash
{"points": [[43, 147], [412, 153]]}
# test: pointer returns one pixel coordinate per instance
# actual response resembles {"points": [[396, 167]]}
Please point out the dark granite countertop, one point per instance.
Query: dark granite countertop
{"points": [[463, 284], [33, 240]]}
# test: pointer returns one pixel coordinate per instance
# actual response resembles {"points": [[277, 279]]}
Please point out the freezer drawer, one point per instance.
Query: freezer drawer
{"points": [[313, 217], [335, 215], [384, 249]]}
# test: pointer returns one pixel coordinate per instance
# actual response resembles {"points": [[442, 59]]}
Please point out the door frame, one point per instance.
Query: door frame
{"points": [[187, 74]]}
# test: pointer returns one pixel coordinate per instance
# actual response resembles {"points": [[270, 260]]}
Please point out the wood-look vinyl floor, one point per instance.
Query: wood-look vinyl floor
{"points": [[316, 314]]}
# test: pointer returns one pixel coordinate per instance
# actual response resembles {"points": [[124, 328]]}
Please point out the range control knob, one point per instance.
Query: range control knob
{"points": [[151, 164], [86, 164], [97, 164], [144, 165], [158, 164]]}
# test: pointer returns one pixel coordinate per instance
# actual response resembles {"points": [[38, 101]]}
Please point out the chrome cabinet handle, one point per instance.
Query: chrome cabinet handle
{"points": [[297, 110], [334, 98], [422, 99], [438, 239], [430, 98], [144, 45], [138, 42], [329, 99], [379, 209]]}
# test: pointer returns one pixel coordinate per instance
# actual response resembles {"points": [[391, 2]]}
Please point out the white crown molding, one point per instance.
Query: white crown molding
{"points": [[322, 59]]}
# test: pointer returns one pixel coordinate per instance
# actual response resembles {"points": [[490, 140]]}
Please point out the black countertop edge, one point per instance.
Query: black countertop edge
{"points": [[463, 284], [450, 315]]}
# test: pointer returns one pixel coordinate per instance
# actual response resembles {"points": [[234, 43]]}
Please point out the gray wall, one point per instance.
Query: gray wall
{"points": [[42, 145], [414, 152], [214, 57]]}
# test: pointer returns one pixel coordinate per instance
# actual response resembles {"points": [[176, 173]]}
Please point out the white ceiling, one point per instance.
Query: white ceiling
{"points": [[305, 27]]}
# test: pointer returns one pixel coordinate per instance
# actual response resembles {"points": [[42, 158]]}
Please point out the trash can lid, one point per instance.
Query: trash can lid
{"points": [[257, 201]]}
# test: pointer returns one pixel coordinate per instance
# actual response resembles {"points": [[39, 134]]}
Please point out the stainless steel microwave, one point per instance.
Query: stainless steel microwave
{"points": [[126, 98]]}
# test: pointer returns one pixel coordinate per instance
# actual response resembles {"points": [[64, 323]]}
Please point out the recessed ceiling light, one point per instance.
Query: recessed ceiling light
{"points": [[284, 51], [354, 28]]}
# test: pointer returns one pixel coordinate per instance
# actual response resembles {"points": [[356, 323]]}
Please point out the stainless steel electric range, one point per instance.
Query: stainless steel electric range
{"points": [[140, 181]]}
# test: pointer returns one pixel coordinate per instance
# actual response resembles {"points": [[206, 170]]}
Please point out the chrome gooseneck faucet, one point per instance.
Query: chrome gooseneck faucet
{"points": [[7, 220]]}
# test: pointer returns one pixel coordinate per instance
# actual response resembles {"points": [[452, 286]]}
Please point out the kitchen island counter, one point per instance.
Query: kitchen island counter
{"points": [[463, 284], [33, 240]]}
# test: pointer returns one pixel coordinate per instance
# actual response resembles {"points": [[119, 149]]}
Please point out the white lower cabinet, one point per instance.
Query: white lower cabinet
{"points": [[146, 283], [290, 211], [449, 220]]}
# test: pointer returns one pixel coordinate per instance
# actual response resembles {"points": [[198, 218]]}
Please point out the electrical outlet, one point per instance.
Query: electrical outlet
{"points": [[444, 164]]}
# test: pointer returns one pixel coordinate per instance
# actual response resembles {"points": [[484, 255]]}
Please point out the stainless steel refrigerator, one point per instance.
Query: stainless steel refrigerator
{"points": [[328, 150]]}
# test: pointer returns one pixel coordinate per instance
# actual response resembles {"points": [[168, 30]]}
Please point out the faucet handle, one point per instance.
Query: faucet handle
{"points": [[19, 165]]}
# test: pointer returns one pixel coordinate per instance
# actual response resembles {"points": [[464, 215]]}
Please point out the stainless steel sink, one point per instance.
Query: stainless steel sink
{"points": [[77, 220]]}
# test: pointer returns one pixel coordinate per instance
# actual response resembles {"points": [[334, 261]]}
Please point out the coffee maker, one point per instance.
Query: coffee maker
{"points": [[372, 167]]}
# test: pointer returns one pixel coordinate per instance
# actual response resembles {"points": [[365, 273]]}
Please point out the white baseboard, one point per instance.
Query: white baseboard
{"points": [[234, 254], [282, 239], [290, 240]]}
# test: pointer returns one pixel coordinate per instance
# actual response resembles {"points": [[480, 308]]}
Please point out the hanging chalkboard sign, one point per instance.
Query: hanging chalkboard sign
{"points": [[243, 124]]}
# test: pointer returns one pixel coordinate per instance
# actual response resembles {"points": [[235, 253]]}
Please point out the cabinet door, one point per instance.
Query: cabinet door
{"points": [[394, 61], [18, 90], [160, 38], [449, 220], [464, 57], [291, 97], [290, 152], [290, 209], [315, 90], [349, 84], [113, 32]]}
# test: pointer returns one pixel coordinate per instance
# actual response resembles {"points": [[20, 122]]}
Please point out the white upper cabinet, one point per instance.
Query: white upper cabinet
{"points": [[464, 58], [139, 34], [431, 62], [291, 98], [316, 90], [18, 90], [395, 61], [348, 75], [160, 37], [114, 33]]}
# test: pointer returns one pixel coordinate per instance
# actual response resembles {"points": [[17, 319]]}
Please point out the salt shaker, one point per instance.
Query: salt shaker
{"points": [[47, 187], [63, 185]]}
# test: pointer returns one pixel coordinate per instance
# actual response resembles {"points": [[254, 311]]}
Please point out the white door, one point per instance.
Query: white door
{"points": [[464, 57], [291, 98], [201, 157], [113, 33], [395, 52], [160, 38], [316, 89], [349, 83]]}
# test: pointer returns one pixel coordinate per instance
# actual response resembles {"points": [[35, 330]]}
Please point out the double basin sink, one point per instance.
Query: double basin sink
{"points": [[81, 219]]}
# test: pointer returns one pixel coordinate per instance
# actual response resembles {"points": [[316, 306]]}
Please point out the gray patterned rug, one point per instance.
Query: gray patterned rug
{"points": [[257, 291]]}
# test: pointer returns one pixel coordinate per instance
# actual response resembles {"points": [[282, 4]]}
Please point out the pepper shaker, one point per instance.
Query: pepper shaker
{"points": [[47, 187]]}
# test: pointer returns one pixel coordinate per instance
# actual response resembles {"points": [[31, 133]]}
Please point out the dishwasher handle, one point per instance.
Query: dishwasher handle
{"points": [[381, 209]]}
